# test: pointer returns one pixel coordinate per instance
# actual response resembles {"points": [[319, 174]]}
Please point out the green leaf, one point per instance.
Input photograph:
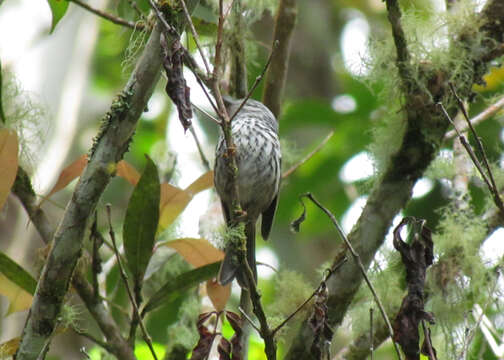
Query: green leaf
{"points": [[58, 10], [141, 221], [176, 287], [142, 351], [17, 274]]}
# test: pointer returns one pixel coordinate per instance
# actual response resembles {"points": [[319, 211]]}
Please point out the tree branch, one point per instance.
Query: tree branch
{"points": [[274, 85], [109, 148], [239, 83]]}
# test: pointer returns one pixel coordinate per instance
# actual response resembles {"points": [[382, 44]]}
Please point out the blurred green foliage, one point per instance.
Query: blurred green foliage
{"points": [[317, 75]]}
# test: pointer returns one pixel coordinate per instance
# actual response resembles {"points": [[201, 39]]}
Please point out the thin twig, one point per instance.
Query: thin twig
{"points": [[135, 7], [482, 116], [210, 116], [195, 36], [265, 331], [493, 189], [488, 176], [357, 259], [204, 160], [202, 79], [472, 332], [221, 109], [371, 329], [256, 82], [97, 341], [309, 156], [427, 340], [95, 258], [126, 284], [315, 292], [110, 17], [468, 148], [244, 313]]}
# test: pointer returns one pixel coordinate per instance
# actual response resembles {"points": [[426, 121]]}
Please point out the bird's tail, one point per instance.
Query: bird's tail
{"points": [[230, 265]]}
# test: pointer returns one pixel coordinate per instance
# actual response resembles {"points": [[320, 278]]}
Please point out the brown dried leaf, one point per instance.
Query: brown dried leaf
{"points": [[69, 173], [318, 321], [197, 252], [8, 162], [202, 349], [176, 86], [174, 200], [218, 294], [204, 182], [236, 323], [416, 256], [127, 172]]}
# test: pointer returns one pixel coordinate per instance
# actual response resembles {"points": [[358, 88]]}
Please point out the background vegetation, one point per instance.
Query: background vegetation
{"points": [[381, 104]]}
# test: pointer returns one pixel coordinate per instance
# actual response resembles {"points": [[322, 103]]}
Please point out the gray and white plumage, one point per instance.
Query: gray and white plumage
{"points": [[255, 136]]}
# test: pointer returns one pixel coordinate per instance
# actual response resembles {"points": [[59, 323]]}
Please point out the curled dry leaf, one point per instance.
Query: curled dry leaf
{"points": [[416, 256], [236, 323], [176, 87], [204, 345], [296, 223]]}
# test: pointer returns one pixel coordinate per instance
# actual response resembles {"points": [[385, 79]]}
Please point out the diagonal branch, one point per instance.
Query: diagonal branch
{"points": [[114, 19], [484, 115], [274, 85]]}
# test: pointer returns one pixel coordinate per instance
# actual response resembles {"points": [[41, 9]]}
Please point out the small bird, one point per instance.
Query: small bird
{"points": [[255, 135]]}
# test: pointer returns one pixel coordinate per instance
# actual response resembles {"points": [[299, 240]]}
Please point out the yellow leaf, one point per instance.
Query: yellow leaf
{"points": [[204, 182], [19, 299], [69, 173], [218, 294], [493, 80], [174, 200], [127, 172], [197, 252], [9, 348], [8, 162]]}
